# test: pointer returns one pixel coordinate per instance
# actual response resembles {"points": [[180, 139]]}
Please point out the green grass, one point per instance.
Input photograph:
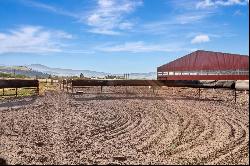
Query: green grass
{"points": [[8, 75], [47, 87], [15, 67], [21, 92]]}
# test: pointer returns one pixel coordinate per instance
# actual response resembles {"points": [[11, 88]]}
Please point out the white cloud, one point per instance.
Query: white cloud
{"points": [[62, 34], [109, 16], [184, 4], [192, 17], [126, 25], [139, 47], [78, 51], [104, 31], [200, 39], [32, 39], [216, 3], [238, 13], [173, 25], [50, 8], [204, 4]]}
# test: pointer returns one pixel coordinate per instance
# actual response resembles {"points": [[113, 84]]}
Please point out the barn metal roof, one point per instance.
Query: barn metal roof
{"points": [[207, 60]]}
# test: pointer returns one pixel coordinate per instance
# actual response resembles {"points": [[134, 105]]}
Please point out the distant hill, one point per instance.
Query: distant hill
{"points": [[22, 70], [65, 72], [39, 70], [86, 73]]}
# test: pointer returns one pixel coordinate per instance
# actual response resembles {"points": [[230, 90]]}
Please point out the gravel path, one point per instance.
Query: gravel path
{"points": [[126, 128]]}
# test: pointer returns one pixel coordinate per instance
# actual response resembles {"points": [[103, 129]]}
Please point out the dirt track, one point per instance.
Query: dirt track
{"points": [[126, 129]]}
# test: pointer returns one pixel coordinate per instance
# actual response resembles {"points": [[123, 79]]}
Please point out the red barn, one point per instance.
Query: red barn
{"points": [[206, 65]]}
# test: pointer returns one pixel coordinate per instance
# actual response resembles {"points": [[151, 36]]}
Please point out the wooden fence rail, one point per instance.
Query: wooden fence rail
{"points": [[169, 83], [18, 83]]}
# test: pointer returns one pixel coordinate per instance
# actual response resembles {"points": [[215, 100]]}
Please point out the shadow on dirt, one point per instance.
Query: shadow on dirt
{"points": [[196, 99], [96, 96], [117, 98], [3, 161], [20, 101]]}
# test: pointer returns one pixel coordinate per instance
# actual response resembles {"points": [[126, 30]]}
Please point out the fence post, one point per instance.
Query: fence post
{"points": [[67, 85], [199, 93], [64, 83], [37, 89], [235, 95], [16, 92], [3, 91]]}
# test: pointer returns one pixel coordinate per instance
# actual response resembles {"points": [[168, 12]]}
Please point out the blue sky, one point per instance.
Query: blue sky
{"points": [[118, 36]]}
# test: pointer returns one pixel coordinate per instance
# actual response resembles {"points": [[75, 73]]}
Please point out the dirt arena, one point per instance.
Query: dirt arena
{"points": [[173, 126]]}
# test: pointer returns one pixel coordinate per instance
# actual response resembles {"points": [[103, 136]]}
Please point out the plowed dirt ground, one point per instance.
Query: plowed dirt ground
{"points": [[173, 126]]}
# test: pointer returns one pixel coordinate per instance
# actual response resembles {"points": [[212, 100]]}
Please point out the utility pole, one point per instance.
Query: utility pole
{"points": [[14, 72], [127, 75]]}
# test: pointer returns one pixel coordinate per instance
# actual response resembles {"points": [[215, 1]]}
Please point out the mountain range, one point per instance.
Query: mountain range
{"points": [[44, 71]]}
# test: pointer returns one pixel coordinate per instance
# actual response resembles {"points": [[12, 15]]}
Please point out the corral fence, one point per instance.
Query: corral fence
{"points": [[51, 81], [65, 84], [75, 84], [199, 84], [18, 83], [155, 83]]}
